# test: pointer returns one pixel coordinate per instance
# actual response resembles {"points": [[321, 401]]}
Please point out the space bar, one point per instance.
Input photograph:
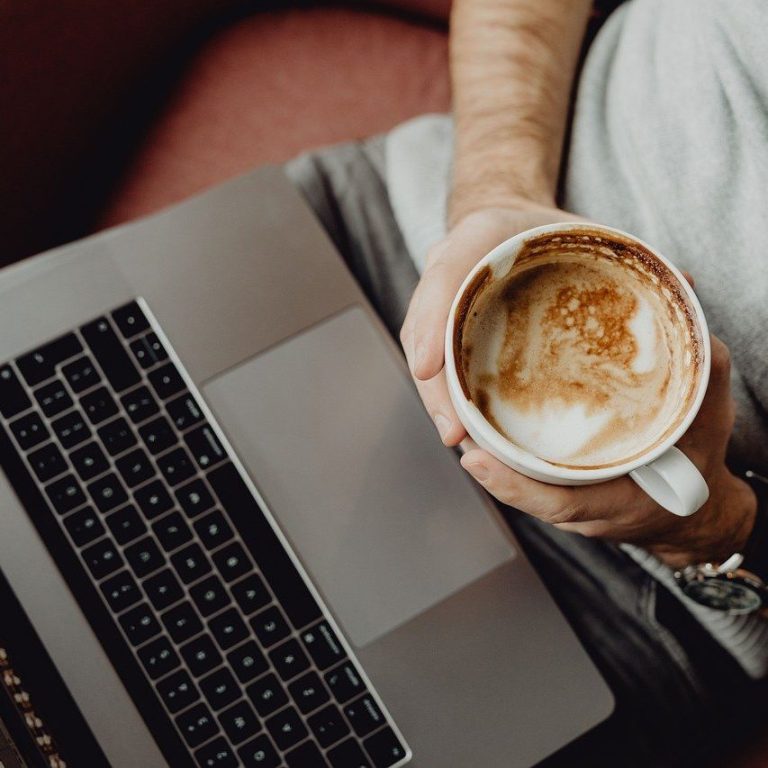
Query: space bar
{"points": [[262, 541]]}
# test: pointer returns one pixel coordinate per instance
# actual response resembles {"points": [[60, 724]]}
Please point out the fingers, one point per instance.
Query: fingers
{"points": [[720, 371], [689, 277], [589, 510], [448, 263], [423, 333], [538, 499], [437, 401]]}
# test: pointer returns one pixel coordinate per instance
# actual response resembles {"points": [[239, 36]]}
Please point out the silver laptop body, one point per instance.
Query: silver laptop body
{"points": [[459, 638]]}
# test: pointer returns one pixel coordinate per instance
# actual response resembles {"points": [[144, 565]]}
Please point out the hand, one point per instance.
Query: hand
{"points": [[619, 511], [447, 264]]}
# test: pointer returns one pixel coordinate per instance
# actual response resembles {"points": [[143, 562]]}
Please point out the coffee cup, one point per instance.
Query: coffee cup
{"points": [[576, 354]]}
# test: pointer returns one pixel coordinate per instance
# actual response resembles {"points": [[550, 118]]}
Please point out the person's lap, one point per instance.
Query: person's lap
{"points": [[665, 670]]}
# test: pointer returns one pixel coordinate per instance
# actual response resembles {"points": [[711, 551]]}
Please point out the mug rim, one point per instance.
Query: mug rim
{"points": [[505, 450]]}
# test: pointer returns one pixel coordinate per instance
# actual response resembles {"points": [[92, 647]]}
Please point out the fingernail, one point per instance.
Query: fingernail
{"points": [[442, 424], [478, 471]]}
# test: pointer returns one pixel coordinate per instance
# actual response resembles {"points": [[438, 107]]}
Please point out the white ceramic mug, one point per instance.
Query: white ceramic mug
{"points": [[664, 472]]}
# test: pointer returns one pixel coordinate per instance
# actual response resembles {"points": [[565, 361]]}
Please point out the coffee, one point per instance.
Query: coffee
{"points": [[586, 353]]}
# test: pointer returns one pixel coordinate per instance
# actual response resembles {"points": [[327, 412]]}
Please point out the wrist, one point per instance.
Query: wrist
{"points": [[721, 528], [501, 207], [496, 187]]}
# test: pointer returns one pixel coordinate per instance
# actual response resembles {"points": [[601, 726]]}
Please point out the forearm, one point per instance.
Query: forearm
{"points": [[512, 67]]}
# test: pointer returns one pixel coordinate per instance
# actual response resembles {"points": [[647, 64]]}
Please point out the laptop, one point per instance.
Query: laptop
{"points": [[232, 526]]}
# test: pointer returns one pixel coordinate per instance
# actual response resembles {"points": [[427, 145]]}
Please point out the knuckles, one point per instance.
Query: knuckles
{"points": [[575, 512], [721, 359]]}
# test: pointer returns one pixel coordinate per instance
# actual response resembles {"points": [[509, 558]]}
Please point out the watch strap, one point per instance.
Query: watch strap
{"points": [[756, 549]]}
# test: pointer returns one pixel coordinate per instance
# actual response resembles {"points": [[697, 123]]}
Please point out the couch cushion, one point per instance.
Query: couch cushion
{"points": [[276, 84]]}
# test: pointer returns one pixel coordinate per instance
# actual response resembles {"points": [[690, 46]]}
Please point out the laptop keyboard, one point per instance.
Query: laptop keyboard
{"points": [[184, 578]]}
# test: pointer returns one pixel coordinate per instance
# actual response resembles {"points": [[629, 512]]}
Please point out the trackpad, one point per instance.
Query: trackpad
{"points": [[337, 441]]}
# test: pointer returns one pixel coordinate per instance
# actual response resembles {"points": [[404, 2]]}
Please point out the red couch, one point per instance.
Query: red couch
{"points": [[112, 110]]}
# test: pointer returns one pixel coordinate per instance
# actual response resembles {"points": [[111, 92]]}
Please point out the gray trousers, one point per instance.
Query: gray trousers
{"points": [[681, 699]]}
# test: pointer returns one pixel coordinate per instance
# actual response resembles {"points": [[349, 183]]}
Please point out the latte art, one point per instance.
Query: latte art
{"points": [[584, 355]]}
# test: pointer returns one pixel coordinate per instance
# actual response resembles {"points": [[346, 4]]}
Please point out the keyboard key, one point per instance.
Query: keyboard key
{"points": [[139, 624], [110, 355], [163, 589], [71, 429], [184, 411], [140, 404], [260, 538], [197, 725], [48, 462], [176, 466], [89, 461], [182, 622], [130, 320], [53, 398], [159, 658], [144, 557], [158, 435], [344, 682], [228, 629], [148, 351], [247, 662], [289, 659], [258, 753], [121, 591], [267, 695], [126, 525], [117, 436], [232, 562], [323, 645], [135, 467], [217, 754], [270, 626], [84, 526], [286, 728], [306, 755], [172, 531], [201, 655], [384, 748], [81, 374], [251, 593], [194, 498], [108, 492], [65, 494], [153, 499], [348, 755], [364, 715], [209, 595], [98, 405], [240, 722], [213, 530], [178, 691], [28, 430], [13, 397], [308, 692], [220, 688], [191, 563], [41, 364], [204, 446], [166, 381], [328, 726]]}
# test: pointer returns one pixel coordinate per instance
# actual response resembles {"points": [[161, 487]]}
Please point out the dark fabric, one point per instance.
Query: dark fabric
{"points": [[667, 673]]}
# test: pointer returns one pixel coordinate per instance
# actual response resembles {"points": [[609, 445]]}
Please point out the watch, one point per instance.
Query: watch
{"points": [[737, 585]]}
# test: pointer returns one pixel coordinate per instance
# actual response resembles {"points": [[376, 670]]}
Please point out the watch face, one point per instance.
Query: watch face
{"points": [[724, 595]]}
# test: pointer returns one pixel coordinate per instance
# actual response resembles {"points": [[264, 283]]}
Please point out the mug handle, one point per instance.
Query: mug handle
{"points": [[673, 482]]}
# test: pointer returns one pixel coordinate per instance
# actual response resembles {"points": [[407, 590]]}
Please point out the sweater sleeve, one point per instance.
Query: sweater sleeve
{"points": [[745, 637]]}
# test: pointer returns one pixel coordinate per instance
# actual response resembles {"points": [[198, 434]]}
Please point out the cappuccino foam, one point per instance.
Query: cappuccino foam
{"points": [[586, 354]]}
